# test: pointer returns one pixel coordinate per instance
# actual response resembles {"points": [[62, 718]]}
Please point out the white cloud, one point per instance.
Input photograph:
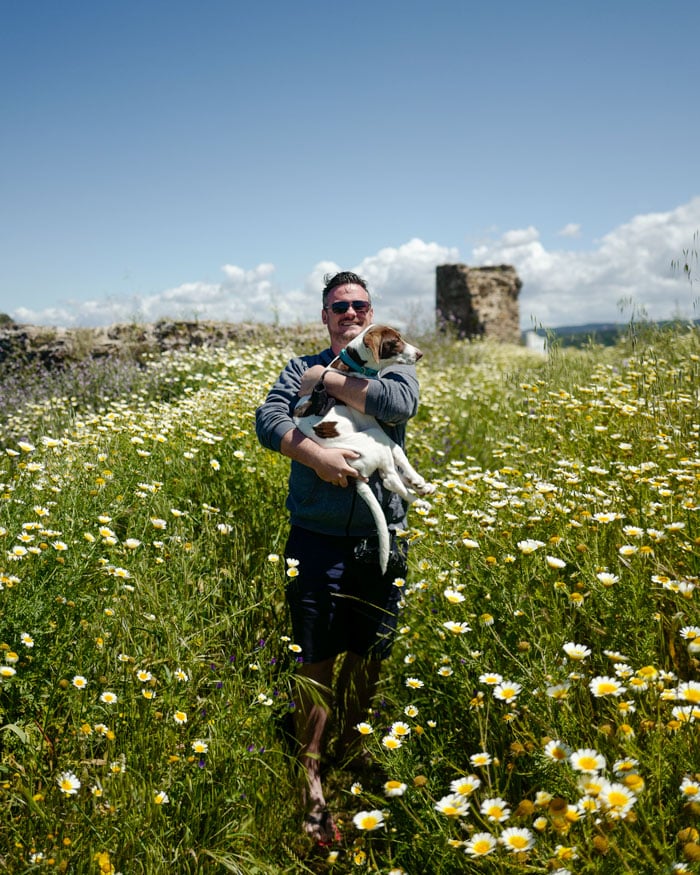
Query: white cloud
{"points": [[402, 281], [570, 230], [560, 287], [632, 263]]}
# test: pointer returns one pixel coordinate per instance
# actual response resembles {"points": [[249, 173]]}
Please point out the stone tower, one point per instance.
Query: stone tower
{"points": [[479, 301]]}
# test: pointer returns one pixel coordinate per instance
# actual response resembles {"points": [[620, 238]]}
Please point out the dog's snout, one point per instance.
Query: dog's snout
{"points": [[419, 354]]}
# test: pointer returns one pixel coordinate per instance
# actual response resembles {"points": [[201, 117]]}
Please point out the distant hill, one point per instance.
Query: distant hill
{"points": [[603, 333]]}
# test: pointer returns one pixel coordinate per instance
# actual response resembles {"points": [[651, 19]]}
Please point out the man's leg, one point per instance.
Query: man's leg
{"points": [[357, 684], [313, 702]]}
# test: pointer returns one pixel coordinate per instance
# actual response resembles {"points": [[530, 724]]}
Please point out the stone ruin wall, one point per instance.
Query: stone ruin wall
{"points": [[479, 301]]}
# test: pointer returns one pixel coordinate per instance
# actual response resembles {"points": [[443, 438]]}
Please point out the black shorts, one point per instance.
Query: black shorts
{"points": [[340, 600]]}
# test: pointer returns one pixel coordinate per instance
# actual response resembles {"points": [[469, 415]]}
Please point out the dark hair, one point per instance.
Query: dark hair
{"points": [[341, 279]]}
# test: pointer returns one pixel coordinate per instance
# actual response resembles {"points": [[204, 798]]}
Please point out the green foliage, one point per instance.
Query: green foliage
{"points": [[551, 609]]}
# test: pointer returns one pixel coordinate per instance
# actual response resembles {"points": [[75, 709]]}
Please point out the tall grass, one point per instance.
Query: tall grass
{"points": [[539, 712]]}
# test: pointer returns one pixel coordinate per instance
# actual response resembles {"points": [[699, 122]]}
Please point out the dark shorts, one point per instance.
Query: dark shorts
{"points": [[340, 601]]}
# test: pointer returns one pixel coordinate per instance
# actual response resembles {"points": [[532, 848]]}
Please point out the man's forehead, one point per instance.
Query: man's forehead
{"points": [[349, 290]]}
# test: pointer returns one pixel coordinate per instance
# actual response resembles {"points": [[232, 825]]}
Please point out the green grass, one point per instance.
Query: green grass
{"points": [[139, 529]]}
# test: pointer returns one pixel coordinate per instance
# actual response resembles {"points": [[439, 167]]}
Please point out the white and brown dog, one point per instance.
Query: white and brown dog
{"points": [[333, 424]]}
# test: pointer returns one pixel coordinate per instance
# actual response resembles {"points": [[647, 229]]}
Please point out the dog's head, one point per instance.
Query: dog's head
{"points": [[379, 346]]}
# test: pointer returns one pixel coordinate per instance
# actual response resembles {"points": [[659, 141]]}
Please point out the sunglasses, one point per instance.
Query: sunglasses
{"points": [[343, 306]]}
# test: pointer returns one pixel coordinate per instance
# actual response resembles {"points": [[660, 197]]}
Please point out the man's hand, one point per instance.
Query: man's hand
{"points": [[333, 465]]}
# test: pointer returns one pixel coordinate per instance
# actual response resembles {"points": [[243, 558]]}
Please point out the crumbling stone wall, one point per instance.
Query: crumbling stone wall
{"points": [[479, 301]]}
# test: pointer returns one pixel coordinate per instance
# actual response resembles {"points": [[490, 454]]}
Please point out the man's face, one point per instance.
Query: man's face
{"points": [[342, 327]]}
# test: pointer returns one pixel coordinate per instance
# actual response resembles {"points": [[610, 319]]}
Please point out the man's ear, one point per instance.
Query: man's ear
{"points": [[324, 317]]}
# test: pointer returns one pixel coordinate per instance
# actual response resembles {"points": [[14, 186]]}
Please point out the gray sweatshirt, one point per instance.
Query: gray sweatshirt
{"points": [[318, 506]]}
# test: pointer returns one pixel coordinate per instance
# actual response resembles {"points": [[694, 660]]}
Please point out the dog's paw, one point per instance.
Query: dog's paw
{"points": [[302, 409], [425, 488], [422, 504]]}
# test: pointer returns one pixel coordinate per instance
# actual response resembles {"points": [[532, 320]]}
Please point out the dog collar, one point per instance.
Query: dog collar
{"points": [[347, 359]]}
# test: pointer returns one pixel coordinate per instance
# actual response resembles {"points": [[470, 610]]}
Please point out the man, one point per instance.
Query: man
{"points": [[340, 603]]}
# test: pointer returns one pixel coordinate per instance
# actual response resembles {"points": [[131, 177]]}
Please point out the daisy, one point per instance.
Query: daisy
{"points": [[607, 579], [79, 682], [391, 742], [453, 596], [587, 760], [456, 628], [517, 839], [108, 698], [557, 751], [587, 805], [625, 766], [529, 546], [616, 800], [559, 691], [480, 844], [161, 798], [554, 562], [368, 820], [576, 651], [7, 671], [495, 809], [414, 683], [607, 517], [200, 746], [466, 785], [394, 788], [180, 717], [480, 759], [364, 728], [507, 691], [26, 640], [685, 714], [689, 691], [690, 789], [605, 686], [410, 711], [144, 676], [616, 655], [400, 729], [181, 675], [68, 783], [491, 678], [452, 805]]}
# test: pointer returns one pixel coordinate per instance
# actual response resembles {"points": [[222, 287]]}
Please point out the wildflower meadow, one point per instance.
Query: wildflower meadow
{"points": [[540, 710]]}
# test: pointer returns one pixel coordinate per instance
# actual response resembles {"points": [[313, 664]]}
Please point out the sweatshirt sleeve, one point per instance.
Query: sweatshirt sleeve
{"points": [[393, 399], [273, 418]]}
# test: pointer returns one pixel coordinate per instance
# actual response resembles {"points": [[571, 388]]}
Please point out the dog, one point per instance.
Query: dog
{"points": [[331, 423]]}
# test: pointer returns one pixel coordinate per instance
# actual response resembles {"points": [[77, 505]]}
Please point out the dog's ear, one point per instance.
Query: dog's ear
{"points": [[383, 342]]}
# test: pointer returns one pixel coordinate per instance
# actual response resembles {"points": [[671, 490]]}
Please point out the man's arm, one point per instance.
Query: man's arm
{"points": [[276, 430]]}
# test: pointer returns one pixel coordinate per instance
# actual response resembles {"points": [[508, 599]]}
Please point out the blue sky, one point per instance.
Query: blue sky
{"points": [[215, 159]]}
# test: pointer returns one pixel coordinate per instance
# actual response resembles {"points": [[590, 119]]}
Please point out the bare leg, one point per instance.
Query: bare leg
{"points": [[357, 684], [314, 682]]}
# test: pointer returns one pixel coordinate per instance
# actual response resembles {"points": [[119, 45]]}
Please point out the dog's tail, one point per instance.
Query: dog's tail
{"points": [[375, 508]]}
